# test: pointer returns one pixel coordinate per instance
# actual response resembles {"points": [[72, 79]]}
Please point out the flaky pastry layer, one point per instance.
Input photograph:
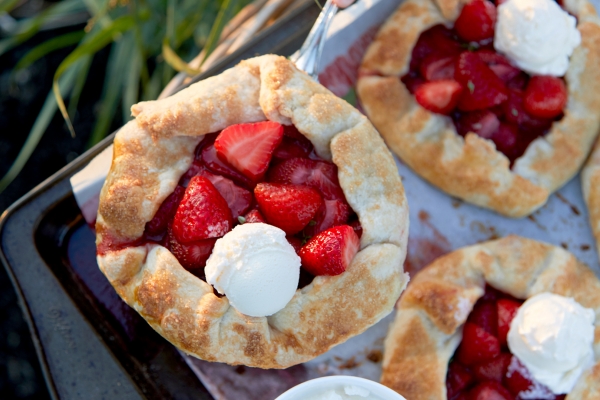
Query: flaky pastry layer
{"points": [[431, 312], [471, 168], [155, 149]]}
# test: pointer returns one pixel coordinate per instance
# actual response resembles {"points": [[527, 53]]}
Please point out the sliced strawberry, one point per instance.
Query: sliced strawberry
{"points": [[545, 96], [320, 175], [439, 96], [195, 169], [485, 316], [289, 207], [490, 391], [483, 123], [413, 81], [476, 21], [494, 369], [249, 147], [295, 242], [192, 256], [331, 251], [518, 380], [202, 214], [437, 67], [357, 227], [514, 111], [292, 132], [499, 64], [518, 82], [490, 294], [215, 164], [331, 213], [165, 213], [438, 39], [253, 217], [238, 199], [291, 148], [506, 140], [506, 309], [477, 345], [482, 88], [458, 378]]}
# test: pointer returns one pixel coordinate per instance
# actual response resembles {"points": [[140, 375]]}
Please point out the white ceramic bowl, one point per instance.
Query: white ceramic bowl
{"points": [[320, 385]]}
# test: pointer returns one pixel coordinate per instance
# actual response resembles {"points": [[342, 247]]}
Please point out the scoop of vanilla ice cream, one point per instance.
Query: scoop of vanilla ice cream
{"points": [[537, 35], [256, 268], [552, 336]]}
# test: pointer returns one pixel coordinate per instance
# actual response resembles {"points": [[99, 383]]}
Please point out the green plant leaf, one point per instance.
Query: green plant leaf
{"points": [[117, 63], [79, 84], [152, 89], [37, 131], [30, 26], [89, 46], [225, 14], [174, 61], [96, 42], [131, 85], [8, 5], [47, 47]]}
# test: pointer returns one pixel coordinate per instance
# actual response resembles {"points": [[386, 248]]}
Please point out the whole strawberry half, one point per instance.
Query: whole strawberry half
{"points": [[254, 216], [485, 316], [483, 123], [545, 96], [331, 251], [436, 40], [437, 67], [192, 256], [476, 21], [439, 96], [477, 345], [457, 379], [331, 213], [249, 147], [320, 175], [202, 214], [288, 207], [506, 310]]}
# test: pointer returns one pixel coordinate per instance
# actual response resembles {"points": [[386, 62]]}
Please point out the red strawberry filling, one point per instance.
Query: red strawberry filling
{"points": [[457, 72], [483, 367], [250, 173]]}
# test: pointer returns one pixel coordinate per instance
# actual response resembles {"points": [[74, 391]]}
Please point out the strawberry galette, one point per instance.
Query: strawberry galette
{"points": [[590, 184], [504, 320], [253, 218], [495, 103]]}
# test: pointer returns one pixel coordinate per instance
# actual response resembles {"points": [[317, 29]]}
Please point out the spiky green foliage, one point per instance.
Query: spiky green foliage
{"points": [[149, 40]]}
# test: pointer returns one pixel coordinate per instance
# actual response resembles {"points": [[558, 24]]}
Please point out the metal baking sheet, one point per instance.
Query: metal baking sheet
{"points": [[94, 346]]}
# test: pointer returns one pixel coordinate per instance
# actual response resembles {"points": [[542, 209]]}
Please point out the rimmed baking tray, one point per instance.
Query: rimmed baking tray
{"points": [[90, 344]]}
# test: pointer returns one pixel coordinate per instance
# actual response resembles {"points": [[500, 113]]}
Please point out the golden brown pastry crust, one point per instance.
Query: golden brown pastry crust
{"points": [[470, 168], [428, 325], [155, 149], [590, 185]]}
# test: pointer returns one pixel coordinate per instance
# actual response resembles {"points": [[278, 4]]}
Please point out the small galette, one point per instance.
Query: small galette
{"points": [[494, 103], [253, 218], [510, 319]]}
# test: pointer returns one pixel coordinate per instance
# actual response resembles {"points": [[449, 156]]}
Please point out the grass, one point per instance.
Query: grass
{"points": [[149, 42]]}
